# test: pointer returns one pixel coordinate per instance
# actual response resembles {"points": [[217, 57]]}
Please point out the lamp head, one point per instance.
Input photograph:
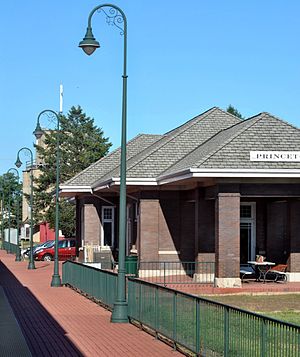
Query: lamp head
{"points": [[18, 163], [38, 132], [89, 43]]}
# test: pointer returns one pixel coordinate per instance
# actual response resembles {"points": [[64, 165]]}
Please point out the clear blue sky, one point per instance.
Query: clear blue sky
{"points": [[184, 57]]}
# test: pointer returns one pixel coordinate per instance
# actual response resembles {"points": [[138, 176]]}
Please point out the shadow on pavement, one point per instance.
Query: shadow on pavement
{"points": [[44, 336]]}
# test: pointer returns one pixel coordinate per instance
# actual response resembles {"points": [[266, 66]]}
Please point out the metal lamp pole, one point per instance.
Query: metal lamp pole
{"points": [[18, 251], [18, 163], [8, 250], [116, 17], [38, 132]]}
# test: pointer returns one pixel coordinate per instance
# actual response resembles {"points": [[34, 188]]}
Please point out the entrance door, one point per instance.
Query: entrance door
{"points": [[247, 232]]}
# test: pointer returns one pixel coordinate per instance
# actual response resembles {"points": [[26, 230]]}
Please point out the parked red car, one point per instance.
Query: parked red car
{"points": [[66, 250]]}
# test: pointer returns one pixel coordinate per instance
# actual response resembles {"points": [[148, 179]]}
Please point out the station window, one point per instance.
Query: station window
{"points": [[107, 238]]}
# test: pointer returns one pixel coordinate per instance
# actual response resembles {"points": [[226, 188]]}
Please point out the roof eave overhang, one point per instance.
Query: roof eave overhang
{"points": [[230, 173], [180, 176], [69, 191], [132, 181]]}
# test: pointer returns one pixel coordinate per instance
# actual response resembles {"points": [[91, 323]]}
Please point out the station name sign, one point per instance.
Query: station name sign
{"points": [[283, 156]]}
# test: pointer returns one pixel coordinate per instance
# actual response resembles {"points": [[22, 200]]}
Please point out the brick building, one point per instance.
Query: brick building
{"points": [[217, 188]]}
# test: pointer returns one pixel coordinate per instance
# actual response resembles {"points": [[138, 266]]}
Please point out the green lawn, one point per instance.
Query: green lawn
{"points": [[282, 307], [244, 335]]}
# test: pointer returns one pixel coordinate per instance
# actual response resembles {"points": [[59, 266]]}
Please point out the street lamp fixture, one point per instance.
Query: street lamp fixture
{"points": [[18, 251], [89, 44], [18, 163], [116, 17], [38, 132]]}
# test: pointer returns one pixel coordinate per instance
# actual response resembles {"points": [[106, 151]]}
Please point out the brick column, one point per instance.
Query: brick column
{"points": [[149, 229], [92, 225], [227, 231]]}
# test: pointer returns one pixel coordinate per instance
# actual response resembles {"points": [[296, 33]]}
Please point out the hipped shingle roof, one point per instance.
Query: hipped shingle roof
{"points": [[214, 139]]}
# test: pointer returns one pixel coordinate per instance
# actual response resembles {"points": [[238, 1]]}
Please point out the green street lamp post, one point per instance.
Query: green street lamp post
{"points": [[38, 132], [8, 250], [116, 17], [18, 251], [18, 163]]}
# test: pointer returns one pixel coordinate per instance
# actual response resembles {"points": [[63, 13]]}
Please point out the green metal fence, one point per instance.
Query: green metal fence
{"points": [[10, 247], [100, 284], [208, 328], [200, 325], [177, 272]]}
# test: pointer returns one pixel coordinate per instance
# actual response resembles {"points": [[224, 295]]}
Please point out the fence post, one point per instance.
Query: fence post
{"points": [[263, 338], [140, 303], [156, 312], [226, 332], [174, 319], [197, 327], [164, 273]]}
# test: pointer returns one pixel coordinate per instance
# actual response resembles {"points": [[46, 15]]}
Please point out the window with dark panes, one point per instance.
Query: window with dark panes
{"points": [[107, 238]]}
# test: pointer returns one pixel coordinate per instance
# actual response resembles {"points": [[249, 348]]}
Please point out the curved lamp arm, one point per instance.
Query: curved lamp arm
{"points": [[115, 17], [16, 171], [18, 162], [38, 132]]}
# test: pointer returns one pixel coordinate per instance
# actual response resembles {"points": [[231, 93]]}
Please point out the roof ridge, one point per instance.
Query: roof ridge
{"points": [[190, 120], [282, 121], [169, 139], [255, 119], [206, 141]]}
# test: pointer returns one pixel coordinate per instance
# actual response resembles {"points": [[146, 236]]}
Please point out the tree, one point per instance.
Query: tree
{"points": [[232, 110], [13, 189], [81, 144]]}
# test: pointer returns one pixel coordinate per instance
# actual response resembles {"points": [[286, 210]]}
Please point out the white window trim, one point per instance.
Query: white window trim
{"points": [[251, 220], [102, 225]]}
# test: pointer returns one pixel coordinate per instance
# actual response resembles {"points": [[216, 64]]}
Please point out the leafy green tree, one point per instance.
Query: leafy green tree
{"points": [[80, 144], [13, 189], [232, 110]]}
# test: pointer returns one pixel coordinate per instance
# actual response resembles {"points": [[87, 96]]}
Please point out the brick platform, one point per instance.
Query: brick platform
{"points": [[61, 322]]}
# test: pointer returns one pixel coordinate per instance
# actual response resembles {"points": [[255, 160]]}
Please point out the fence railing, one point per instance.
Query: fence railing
{"points": [[177, 272], [202, 326], [209, 328], [100, 284], [10, 247]]}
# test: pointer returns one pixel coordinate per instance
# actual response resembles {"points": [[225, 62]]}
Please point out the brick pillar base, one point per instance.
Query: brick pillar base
{"points": [[227, 229]]}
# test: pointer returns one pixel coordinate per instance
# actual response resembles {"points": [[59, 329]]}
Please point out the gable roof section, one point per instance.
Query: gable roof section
{"points": [[230, 148], [174, 145], [92, 173]]}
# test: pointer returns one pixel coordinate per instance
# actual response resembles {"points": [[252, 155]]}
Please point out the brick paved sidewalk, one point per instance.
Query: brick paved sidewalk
{"points": [[61, 322]]}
